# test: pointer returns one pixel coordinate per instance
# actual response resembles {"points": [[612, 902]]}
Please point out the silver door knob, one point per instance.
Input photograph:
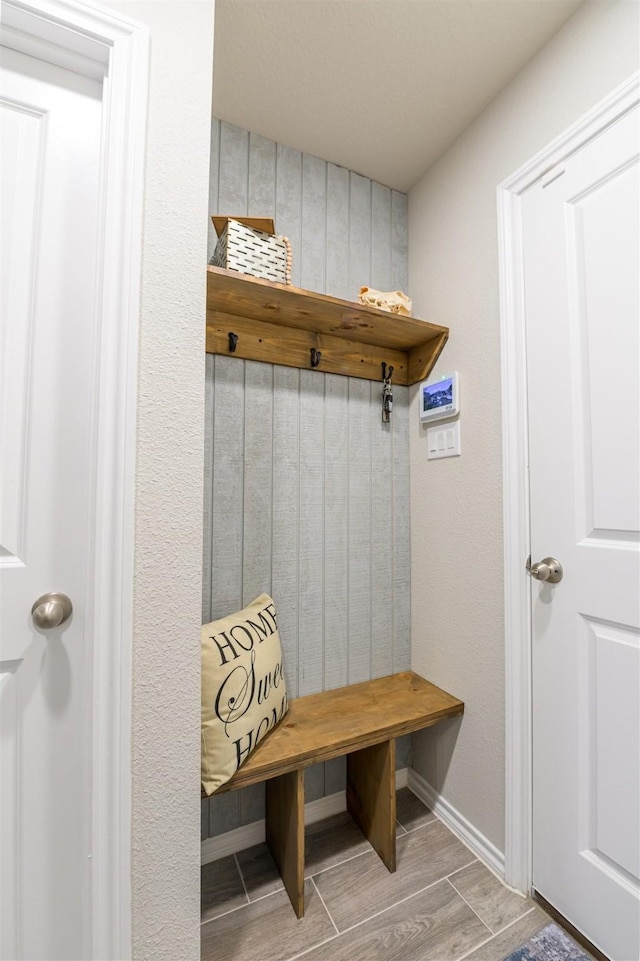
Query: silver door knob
{"points": [[549, 569], [51, 610]]}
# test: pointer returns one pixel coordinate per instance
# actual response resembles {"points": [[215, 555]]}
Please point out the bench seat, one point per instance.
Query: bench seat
{"points": [[360, 721]]}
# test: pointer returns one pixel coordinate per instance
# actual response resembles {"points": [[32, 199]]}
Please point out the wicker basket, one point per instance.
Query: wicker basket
{"points": [[245, 248]]}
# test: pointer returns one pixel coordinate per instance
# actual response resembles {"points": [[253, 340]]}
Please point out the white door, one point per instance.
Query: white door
{"points": [[50, 148], [581, 268]]}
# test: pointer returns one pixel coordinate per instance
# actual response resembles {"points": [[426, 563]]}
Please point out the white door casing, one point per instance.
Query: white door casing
{"points": [[70, 316], [571, 217]]}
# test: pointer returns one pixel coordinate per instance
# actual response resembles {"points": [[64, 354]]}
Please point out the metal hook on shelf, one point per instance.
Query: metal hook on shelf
{"points": [[233, 342], [387, 393], [315, 357]]}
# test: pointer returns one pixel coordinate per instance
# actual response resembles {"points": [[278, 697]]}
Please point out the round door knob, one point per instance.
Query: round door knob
{"points": [[51, 610], [549, 569]]}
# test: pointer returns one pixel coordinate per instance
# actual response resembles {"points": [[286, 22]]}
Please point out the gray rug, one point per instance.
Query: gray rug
{"points": [[550, 944]]}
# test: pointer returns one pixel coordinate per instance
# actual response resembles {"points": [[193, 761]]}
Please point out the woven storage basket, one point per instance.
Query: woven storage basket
{"points": [[255, 252]]}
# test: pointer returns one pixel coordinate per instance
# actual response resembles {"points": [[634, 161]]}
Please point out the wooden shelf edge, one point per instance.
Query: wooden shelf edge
{"points": [[276, 323], [422, 359], [247, 777]]}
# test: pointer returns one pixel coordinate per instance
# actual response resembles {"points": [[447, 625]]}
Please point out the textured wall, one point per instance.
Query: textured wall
{"points": [[456, 529], [306, 491], [165, 874]]}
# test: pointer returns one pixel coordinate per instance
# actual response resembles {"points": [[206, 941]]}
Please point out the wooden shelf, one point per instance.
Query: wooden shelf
{"points": [[280, 324]]}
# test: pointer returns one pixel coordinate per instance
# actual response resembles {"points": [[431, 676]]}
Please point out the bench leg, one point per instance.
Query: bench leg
{"points": [[285, 832], [371, 797]]}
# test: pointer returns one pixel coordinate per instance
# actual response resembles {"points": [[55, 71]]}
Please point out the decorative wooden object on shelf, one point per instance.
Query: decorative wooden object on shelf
{"points": [[280, 324], [360, 720]]}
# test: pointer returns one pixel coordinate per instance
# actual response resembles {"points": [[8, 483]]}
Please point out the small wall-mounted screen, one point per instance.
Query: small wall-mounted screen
{"points": [[439, 394], [440, 398]]}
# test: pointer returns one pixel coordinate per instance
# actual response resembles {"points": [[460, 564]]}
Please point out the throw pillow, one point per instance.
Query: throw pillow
{"points": [[244, 694]]}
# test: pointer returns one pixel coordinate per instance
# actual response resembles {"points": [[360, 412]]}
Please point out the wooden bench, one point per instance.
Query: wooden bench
{"points": [[361, 721]]}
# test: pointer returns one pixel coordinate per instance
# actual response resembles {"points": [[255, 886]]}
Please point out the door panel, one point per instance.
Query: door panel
{"points": [[581, 239], [611, 679], [51, 130], [22, 132], [606, 282]]}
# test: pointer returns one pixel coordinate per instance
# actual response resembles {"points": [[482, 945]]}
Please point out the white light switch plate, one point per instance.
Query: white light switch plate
{"points": [[443, 440]]}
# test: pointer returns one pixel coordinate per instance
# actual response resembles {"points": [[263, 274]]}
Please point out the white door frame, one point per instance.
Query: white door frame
{"points": [[515, 417], [103, 45]]}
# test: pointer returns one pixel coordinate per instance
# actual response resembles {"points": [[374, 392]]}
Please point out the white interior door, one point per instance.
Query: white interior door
{"points": [[50, 150], [581, 241]]}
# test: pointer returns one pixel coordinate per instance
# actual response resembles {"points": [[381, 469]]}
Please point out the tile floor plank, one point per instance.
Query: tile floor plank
{"points": [[327, 843], [503, 943], [435, 925], [356, 889], [411, 813], [259, 871], [221, 888], [495, 903], [266, 930], [331, 841]]}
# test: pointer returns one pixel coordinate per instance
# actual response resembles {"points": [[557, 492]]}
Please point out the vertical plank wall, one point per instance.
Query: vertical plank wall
{"points": [[306, 491]]}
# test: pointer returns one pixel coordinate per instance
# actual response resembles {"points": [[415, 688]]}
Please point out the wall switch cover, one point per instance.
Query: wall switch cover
{"points": [[443, 440]]}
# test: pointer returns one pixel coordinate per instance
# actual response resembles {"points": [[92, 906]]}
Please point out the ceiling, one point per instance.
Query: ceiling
{"points": [[379, 86]]}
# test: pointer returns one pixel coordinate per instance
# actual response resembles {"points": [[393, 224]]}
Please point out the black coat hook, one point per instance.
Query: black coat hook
{"points": [[387, 393], [233, 342], [315, 357]]}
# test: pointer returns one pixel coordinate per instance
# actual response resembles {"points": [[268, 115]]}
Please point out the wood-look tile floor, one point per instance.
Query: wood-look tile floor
{"points": [[442, 904]]}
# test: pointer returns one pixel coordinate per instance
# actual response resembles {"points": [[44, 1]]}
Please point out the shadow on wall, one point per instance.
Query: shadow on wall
{"points": [[433, 750]]}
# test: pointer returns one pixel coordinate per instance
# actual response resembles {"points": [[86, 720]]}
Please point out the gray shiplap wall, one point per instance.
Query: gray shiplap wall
{"points": [[306, 491], [346, 231]]}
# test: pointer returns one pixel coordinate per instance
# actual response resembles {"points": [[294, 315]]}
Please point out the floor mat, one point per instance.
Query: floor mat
{"points": [[550, 944]]}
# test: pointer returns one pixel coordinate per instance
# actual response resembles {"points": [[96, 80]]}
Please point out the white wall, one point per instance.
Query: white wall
{"points": [[166, 672], [456, 504]]}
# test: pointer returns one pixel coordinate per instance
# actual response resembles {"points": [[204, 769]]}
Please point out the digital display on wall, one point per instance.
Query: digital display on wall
{"points": [[439, 394]]}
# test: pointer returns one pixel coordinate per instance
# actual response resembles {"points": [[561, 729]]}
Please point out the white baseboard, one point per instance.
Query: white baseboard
{"points": [[212, 849], [245, 837], [481, 846], [402, 778]]}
